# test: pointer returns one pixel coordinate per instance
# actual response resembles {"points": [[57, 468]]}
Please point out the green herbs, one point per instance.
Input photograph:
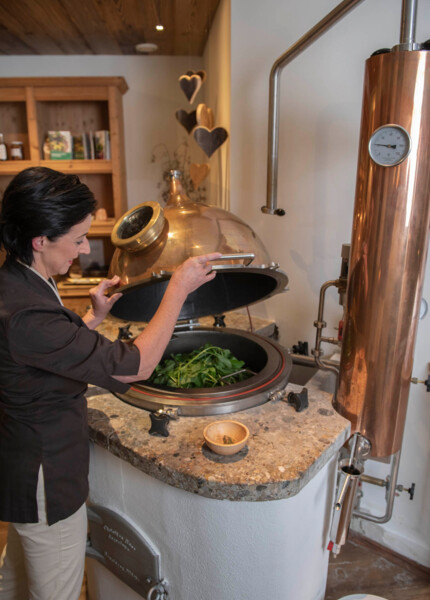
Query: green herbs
{"points": [[227, 440], [208, 366]]}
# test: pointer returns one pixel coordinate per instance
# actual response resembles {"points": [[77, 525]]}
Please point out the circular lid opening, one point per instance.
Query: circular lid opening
{"points": [[139, 227]]}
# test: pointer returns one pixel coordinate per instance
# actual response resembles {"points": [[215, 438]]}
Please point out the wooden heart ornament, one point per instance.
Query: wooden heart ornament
{"points": [[187, 120], [190, 85], [202, 74], [210, 140], [204, 116], [198, 173]]}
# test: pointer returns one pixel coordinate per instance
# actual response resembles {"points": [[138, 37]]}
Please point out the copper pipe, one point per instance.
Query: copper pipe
{"points": [[274, 94], [388, 254], [374, 480]]}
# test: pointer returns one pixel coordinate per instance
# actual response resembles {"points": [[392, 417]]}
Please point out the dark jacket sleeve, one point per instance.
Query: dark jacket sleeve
{"points": [[48, 339]]}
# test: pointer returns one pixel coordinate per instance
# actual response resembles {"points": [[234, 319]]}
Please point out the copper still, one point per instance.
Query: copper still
{"points": [[386, 269], [387, 257], [151, 242], [388, 253]]}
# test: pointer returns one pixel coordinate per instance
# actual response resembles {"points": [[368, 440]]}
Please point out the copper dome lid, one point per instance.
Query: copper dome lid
{"points": [[151, 242]]}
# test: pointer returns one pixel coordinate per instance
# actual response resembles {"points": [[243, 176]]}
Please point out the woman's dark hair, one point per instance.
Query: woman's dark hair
{"points": [[41, 201]]}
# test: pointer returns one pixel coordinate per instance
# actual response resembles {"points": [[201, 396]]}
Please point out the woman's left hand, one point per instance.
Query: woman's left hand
{"points": [[101, 303]]}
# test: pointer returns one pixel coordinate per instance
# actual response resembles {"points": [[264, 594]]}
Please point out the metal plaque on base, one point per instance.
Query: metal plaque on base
{"points": [[124, 551]]}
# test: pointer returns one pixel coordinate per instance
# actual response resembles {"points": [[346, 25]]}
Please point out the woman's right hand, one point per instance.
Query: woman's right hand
{"points": [[194, 272], [153, 340]]}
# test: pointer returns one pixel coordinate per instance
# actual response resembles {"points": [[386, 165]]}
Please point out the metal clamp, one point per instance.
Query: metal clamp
{"points": [[160, 590], [298, 400], [124, 332], [160, 420], [278, 394]]}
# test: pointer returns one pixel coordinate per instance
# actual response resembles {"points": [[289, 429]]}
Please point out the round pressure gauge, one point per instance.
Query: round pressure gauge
{"points": [[389, 145]]}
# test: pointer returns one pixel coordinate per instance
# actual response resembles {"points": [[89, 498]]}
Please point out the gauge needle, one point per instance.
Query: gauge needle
{"points": [[387, 145]]}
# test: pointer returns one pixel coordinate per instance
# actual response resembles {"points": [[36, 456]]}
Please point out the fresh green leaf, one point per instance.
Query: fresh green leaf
{"points": [[203, 367]]}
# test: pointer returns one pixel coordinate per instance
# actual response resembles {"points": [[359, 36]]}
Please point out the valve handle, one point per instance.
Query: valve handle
{"points": [[411, 491], [426, 382]]}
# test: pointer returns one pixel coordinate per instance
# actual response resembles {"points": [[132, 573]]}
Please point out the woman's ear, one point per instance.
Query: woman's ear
{"points": [[38, 243]]}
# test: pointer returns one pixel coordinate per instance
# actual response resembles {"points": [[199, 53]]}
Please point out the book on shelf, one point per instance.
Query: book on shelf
{"points": [[60, 145], [78, 146], [102, 144], [89, 145]]}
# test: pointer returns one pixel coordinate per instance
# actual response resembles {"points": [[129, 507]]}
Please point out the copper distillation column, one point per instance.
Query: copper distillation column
{"points": [[386, 265], [388, 254]]}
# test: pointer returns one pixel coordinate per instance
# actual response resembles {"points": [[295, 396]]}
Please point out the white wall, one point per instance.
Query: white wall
{"points": [[321, 95], [150, 104]]}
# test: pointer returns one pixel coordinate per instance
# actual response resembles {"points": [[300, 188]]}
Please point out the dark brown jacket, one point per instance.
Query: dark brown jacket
{"points": [[47, 357]]}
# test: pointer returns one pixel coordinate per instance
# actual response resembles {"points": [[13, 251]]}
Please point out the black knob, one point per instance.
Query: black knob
{"points": [[299, 401], [219, 321], [301, 348], [124, 332], [159, 424], [381, 51]]}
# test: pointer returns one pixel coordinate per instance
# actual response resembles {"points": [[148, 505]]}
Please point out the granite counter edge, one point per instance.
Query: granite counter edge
{"points": [[210, 487]]}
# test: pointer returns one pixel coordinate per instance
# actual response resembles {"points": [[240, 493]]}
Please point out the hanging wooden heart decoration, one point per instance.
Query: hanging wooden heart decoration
{"points": [[202, 74], [198, 173], [187, 120], [204, 116], [190, 85], [210, 140]]}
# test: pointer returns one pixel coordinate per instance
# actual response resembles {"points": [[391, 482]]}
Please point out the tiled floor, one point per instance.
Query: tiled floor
{"points": [[360, 568]]}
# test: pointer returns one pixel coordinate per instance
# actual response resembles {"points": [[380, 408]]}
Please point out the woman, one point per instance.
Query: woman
{"points": [[47, 356]]}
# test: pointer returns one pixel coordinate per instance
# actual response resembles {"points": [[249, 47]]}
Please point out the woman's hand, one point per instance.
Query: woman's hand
{"points": [[101, 303], [153, 340], [194, 272]]}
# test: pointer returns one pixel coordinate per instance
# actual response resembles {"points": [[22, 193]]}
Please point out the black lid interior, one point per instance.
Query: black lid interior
{"points": [[231, 289]]}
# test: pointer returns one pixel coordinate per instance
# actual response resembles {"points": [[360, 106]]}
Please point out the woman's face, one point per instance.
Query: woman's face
{"points": [[58, 255]]}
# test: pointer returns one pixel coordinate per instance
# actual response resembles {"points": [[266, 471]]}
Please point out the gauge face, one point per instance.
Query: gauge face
{"points": [[389, 145]]}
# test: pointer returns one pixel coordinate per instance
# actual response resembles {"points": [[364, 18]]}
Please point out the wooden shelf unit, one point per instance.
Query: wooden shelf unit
{"points": [[31, 106]]}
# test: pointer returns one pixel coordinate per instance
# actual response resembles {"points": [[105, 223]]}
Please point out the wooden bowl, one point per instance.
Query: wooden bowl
{"points": [[226, 437]]}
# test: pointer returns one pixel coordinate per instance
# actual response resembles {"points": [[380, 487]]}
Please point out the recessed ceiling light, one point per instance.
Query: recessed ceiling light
{"points": [[146, 48], [159, 27]]}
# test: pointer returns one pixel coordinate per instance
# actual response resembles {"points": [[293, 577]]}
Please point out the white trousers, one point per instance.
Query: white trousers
{"points": [[42, 562]]}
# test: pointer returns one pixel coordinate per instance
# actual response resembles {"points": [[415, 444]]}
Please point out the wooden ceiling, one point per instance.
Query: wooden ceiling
{"points": [[64, 27]]}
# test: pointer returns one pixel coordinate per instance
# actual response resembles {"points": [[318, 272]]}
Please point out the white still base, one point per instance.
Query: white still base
{"points": [[218, 549]]}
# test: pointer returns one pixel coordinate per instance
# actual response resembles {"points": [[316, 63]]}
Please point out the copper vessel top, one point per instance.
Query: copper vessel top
{"points": [[151, 242]]}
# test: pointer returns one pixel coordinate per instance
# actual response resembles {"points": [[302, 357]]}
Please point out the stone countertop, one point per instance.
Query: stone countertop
{"points": [[284, 451]]}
